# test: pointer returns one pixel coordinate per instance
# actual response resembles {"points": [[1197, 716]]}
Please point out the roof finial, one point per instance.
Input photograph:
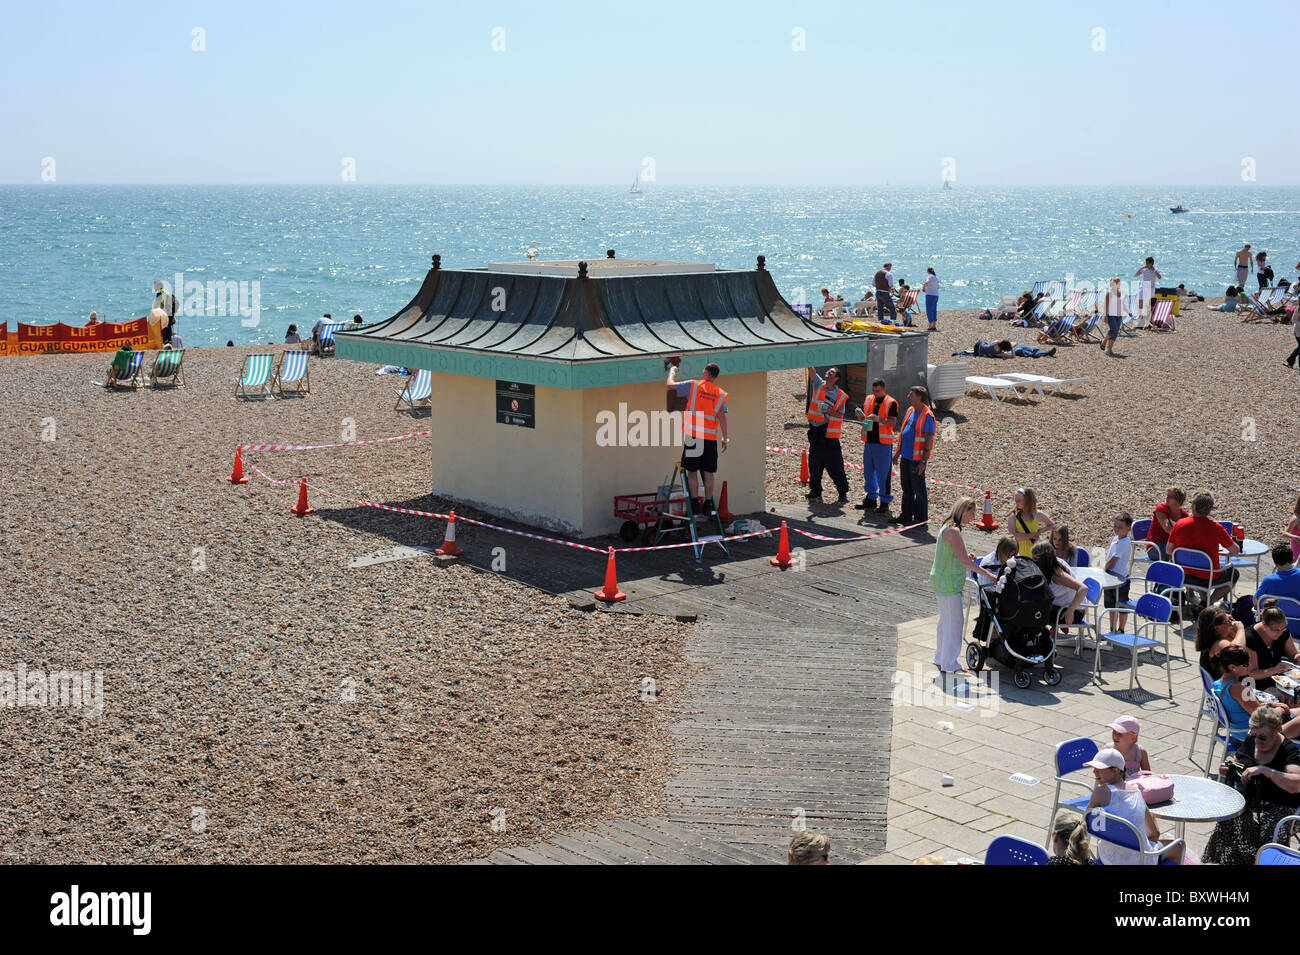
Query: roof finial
{"points": [[761, 259], [582, 270], [609, 253], [437, 262]]}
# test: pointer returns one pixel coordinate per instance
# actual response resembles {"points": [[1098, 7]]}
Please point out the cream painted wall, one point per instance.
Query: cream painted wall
{"points": [[558, 475]]}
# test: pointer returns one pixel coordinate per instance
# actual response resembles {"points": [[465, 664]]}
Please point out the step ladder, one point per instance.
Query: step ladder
{"points": [[677, 513]]}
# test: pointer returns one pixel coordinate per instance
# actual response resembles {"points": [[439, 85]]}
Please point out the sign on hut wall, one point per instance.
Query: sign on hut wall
{"points": [[516, 404]]}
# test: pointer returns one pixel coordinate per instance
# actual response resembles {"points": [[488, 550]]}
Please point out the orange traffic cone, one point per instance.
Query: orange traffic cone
{"points": [[610, 592], [237, 475], [724, 513], [987, 523], [449, 548], [782, 558], [804, 476], [302, 507]]}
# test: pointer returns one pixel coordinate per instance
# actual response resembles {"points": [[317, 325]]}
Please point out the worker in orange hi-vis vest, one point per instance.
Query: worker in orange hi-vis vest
{"points": [[915, 442], [879, 415], [827, 402], [704, 425]]}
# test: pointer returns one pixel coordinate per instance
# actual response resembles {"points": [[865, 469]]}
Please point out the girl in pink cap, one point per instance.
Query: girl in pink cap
{"points": [[1124, 737]]}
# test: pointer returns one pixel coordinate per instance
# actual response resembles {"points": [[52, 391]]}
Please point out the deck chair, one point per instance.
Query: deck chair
{"points": [[1060, 330], [906, 305], [1089, 330], [1040, 288], [1134, 317], [1045, 385], [292, 370], [1039, 314], [167, 368], [1254, 309], [133, 377], [1161, 320], [997, 388], [417, 390], [326, 344], [255, 381]]}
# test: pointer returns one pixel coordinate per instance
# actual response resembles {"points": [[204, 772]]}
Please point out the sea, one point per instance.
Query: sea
{"points": [[251, 260]]}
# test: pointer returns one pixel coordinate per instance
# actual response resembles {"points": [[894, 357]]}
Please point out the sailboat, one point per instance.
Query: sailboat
{"points": [[636, 185], [947, 183]]}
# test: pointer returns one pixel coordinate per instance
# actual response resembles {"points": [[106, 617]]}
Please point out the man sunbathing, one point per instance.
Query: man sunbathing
{"points": [[1006, 349]]}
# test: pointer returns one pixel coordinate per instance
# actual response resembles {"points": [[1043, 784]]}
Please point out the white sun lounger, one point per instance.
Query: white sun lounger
{"points": [[1041, 382], [997, 388]]}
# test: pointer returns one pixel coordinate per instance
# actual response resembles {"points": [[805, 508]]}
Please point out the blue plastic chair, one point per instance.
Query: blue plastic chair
{"points": [[1081, 556], [1169, 579], [1070, 757], [1272, 854], [1141, 547], [1152, 611], [1186, 557], [1106, 827], [1220, 733], [1009, 850], [1089, 604], [1291, 608]]}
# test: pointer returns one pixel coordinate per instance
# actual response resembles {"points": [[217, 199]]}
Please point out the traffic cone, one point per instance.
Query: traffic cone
{"points": [[237, 475], [724, 514], [302, 507], [804, 476], [449, 548], [987, 523], [610, 592], [782, 558]]}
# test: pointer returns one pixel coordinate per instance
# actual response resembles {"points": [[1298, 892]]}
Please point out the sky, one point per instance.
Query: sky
{"points": [[744, 93]]}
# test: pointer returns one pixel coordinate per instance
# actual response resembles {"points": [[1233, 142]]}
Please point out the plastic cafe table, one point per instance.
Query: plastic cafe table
{"points": [[1107, 581], [1197, 799]]}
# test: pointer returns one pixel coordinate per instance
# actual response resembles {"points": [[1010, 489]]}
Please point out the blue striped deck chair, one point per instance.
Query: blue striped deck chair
{"points": [[1039, 314], [292, 370], [255, 381], [417, 390], [133, 377], [1040, 288], [1060, 329], [803, 308], [1134, 317], [326, 343]]}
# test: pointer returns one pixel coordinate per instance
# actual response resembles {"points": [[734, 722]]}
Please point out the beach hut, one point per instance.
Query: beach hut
{"points": [[548, 394]]}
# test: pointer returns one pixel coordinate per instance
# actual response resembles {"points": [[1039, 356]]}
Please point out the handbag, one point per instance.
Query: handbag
{"points": [[1154, 789]]}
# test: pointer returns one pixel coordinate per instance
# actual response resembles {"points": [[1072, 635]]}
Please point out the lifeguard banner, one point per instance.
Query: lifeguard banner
{"points": [[60, 337]]}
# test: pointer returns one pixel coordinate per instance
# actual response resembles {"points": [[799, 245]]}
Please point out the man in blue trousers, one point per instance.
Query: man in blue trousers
{"points": [[879, 416]]}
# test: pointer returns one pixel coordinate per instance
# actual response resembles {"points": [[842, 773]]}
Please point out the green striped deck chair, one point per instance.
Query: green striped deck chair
{"points": [[417, 390], [255, 382], [133, 377], [292, 371], [167, 368]]}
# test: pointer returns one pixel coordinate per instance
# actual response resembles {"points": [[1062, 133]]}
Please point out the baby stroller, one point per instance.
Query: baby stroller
{"points": [[1014, 626]]}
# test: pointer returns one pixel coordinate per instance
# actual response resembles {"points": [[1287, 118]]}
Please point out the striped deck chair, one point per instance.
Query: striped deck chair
{"points": [[167, 368], [803, 308], [417, 390], [255, 382], [1134, 318], [1039, 314], [292, 370], [1074, 303], [1040, 288], [1162, 316], [906, 304], [326, 344], [133, 377], [1060, 330]]}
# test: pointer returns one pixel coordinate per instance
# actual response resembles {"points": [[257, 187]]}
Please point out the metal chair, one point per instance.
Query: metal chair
{"points": [[1291, 607], [1189, 558], [1070, 757], [1220, 732], [1272, 854], [1163, 573], [1154, 611], [1277, 830], [1009, 850], [1107, 827], [1089, 604]]}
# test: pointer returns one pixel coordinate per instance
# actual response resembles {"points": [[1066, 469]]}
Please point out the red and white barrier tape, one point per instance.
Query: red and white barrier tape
{"points": [[496, 527], [858, 467], [340, 444], [858, 537]]}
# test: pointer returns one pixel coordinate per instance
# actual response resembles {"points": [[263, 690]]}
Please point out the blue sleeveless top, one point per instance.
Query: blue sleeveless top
{"points": [[1238, 718]]}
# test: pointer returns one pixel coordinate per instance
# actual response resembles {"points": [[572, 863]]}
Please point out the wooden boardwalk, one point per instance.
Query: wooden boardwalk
{"points": [[789, 717]]}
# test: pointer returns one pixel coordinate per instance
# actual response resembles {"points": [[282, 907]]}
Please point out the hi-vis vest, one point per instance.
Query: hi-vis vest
{"points": [[836, 414], [701, 417], [888, 409], [918, 436]]}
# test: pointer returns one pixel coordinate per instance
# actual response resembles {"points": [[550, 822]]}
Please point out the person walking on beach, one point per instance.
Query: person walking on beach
{"points": [[1295, 330], [915, 442], [879, 414], [931, 290], [164, 300], [948, 578], [884, 284], [1244, 263], [1115, 309], [1263, 271], [827, 402], [1147, 289], [705, 424]]}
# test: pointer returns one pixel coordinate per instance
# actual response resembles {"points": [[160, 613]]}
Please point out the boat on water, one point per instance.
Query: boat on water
{"points": [[636, 185], [1178, 208]]}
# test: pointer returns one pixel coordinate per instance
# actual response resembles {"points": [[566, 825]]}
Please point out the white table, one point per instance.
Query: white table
{"points": [[1251, 553], [1107, 582], [1197, 799]]}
